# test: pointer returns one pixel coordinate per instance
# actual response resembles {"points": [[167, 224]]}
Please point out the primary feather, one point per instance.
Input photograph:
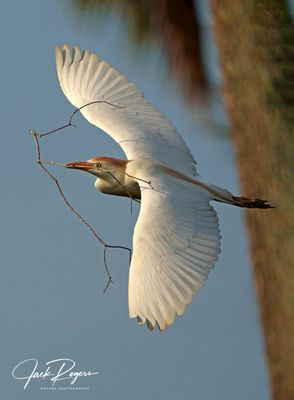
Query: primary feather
{"points": [[131, 121]]}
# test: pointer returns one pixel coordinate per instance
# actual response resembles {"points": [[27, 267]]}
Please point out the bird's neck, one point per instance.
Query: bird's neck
{"points": [[116, 182]]}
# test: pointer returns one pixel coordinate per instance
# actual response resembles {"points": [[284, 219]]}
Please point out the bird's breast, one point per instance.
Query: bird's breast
{"points": [[119, 186]]}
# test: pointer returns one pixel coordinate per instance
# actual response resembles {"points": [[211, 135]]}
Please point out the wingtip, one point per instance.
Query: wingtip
{"points": [[64, 54], [59, 54], [62, 47], [149, 324], [59, 59], [65, 46], [161, 329]]}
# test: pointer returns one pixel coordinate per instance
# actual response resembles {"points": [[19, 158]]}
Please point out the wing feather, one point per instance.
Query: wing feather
{"points": [[124, 114], [176, 243]]}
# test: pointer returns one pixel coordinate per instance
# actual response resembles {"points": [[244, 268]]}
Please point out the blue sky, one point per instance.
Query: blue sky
{"points": [[52, 273]]}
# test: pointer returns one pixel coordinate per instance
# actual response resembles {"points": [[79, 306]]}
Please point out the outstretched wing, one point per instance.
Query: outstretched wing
{"points": [[124, 114], [176, 243]]}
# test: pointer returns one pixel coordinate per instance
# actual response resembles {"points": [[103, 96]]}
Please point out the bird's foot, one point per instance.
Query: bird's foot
{"points": [[251, 203]]}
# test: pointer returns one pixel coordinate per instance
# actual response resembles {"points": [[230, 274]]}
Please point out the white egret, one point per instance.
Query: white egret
{"points": [[176, 238]]}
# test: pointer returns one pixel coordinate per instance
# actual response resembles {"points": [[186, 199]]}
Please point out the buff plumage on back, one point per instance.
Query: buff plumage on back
{"points": [[135, 124]]}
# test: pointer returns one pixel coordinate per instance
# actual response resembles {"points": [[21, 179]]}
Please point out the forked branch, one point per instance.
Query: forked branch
{"points": [[106, 246], [74, 113]]}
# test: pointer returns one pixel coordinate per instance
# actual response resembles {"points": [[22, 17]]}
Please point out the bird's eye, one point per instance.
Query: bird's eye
{"points": [[97, 165]]}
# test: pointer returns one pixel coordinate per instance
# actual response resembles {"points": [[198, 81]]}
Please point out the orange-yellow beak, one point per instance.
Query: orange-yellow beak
{"points": [[82, 165]]}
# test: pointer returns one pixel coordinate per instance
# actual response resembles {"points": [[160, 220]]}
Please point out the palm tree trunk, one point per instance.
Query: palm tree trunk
{"points": [[255, 42]]}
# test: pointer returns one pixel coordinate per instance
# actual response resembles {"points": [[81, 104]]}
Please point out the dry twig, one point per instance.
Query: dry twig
{"points": [[74, 113], [106, 246]]}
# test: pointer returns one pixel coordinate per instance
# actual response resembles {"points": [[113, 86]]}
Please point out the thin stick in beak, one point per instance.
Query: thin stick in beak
{"points": [[52, 163], [82, 165]]}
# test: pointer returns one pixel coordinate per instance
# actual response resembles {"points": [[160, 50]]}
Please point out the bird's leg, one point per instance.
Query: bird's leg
{"points": [[251, 202]]}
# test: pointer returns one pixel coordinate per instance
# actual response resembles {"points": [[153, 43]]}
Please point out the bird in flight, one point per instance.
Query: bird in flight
{"points": [[176, 239]]}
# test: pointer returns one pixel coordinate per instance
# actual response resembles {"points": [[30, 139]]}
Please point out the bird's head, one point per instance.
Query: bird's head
{"points": [[99, 166], [111, 176]]}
